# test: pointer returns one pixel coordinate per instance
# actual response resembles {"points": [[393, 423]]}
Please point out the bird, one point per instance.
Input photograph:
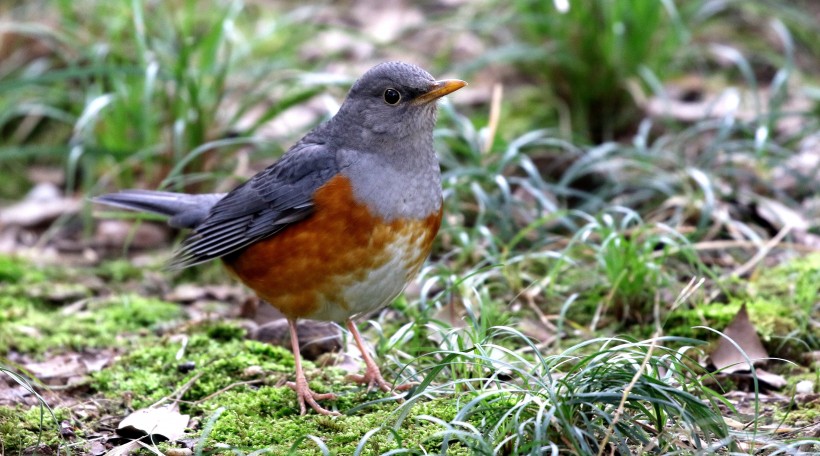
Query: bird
{"points": [[338, 225]]}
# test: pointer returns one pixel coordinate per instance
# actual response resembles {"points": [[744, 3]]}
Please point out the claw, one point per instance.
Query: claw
{"points": [[307, 396]]}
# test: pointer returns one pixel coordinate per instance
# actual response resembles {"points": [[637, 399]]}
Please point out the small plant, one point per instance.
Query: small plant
{"points": [[586, 55], [633, 259], [40, 425], [143, 92], [588, 399]]}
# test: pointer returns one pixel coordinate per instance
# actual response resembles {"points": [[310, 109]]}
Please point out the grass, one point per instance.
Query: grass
{"points": [[587, 55], [140, 92]]}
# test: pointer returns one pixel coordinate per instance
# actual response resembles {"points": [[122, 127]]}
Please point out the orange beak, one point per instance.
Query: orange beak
{"points": [[438, 89]]}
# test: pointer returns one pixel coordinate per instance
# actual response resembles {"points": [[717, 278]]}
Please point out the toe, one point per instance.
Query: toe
{"points": [[305, 396]]}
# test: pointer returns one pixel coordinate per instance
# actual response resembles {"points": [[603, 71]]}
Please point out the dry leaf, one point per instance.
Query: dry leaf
{"points": [[779, 215], [57, 370], [116, 233], [41, 206], [160, 422], [726, 356], [773, 381]]}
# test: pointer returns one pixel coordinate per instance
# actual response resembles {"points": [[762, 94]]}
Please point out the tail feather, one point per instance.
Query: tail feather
{"points": [[183, 210]]}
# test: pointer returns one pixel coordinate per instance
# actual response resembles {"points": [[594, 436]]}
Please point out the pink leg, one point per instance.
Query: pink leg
{"points": [[303, 392], [372, 375]]}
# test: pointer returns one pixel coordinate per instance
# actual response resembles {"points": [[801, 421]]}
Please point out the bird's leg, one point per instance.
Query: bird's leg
{"points": [[303, 392], [372, 375]]}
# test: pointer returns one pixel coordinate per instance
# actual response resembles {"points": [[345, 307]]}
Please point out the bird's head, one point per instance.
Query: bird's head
{"points": [[394, 101]]}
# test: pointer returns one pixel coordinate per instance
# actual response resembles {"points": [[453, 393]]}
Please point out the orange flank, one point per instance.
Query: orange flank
{"points": [[319, 268]]}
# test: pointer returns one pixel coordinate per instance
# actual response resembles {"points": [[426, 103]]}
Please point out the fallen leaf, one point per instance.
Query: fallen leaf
{"points": [[160, 423], [96, 448], [117, 233], [779, 215], [726, 357], [68, 368], [773, 381], [41, 206], [57, 370], [124, 449]]}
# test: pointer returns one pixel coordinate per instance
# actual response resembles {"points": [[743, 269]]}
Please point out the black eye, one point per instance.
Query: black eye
{"points": [[392, 96]]}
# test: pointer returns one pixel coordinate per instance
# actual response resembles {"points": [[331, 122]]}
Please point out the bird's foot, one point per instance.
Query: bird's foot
{"points": [[373, 378], [307, 396]]}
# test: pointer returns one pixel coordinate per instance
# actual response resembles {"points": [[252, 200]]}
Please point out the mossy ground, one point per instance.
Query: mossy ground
{"points": [[200, 364], [780, 302], [219, 377]]}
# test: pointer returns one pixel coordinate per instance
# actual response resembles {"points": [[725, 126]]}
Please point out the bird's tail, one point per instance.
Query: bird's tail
{"points": [[183, 210]]}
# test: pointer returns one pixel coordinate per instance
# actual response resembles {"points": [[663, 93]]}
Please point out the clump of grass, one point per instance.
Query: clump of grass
{"points": [[589, 398], [140, 91], [634, 260], [585, 56]]}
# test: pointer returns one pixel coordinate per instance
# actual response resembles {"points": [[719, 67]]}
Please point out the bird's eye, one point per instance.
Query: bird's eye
{"points": [[392, 96]]}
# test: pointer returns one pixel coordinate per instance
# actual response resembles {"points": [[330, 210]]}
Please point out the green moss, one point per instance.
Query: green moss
{"points": [[149, 373], [118, 271], [779, 303], [22, 428], [258, 421], [793, 283], [34, 327], [264, 415], [805, 414], [14, 270], [225, 332]]}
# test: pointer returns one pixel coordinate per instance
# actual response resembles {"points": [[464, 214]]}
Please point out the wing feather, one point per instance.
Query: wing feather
{"points": [[280, 195]]}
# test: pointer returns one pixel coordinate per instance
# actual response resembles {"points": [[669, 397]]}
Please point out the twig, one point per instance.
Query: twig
{"points": [[495, 114], [177, 395], [227, 388], [627, 390], [761, 254]]}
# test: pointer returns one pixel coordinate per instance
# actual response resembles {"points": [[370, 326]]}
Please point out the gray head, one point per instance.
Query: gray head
{"points": [[393, 102]]}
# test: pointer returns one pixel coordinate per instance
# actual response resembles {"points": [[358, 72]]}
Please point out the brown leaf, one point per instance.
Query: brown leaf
{"points": [[116, 233], [779, 215], [726, 356], [41, 206], [57, 370], [773, 381], [62, 369], [160, 422]]}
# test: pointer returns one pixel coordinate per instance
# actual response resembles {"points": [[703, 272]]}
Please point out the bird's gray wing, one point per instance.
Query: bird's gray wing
{"points": [[271, 200]]}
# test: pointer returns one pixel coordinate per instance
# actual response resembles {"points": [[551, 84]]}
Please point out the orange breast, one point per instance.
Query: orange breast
{"points": [[337, 263]]}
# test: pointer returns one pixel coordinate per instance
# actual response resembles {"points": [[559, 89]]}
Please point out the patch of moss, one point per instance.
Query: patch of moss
{"points": [[256, 421], [22, 428], [780, 331], [806, 413], [779, 303], [32, 327], [793, 283], [151, 372], [264, 415], [14, 270]]}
